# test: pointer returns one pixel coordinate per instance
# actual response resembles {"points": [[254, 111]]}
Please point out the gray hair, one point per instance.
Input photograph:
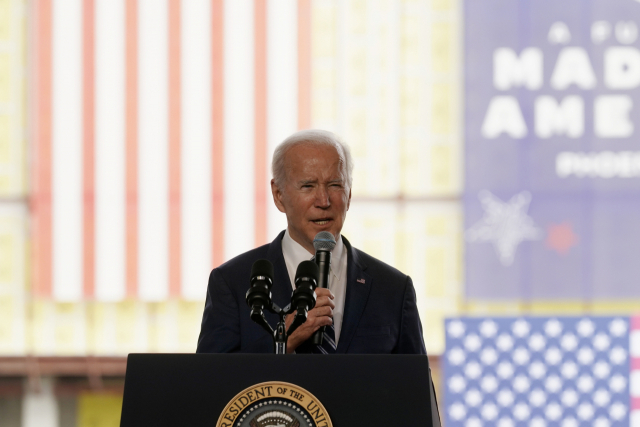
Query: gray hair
{"points": [[312, 137]]}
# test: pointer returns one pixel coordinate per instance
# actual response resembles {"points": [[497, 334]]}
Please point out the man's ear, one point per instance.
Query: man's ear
{"points": [[277, 196], [349, 201]]}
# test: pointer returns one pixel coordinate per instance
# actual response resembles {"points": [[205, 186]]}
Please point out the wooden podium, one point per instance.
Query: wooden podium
{"points": [[241, 390]]}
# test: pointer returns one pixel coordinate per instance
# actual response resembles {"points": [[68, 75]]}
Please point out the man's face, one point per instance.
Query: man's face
{"points": [[315, 196]]}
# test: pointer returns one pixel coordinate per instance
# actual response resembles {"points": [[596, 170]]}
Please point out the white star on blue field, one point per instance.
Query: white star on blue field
{"points": [[504, 224]]}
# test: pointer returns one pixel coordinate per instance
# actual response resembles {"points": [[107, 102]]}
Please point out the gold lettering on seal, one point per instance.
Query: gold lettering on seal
{"points": [[251, 396]]}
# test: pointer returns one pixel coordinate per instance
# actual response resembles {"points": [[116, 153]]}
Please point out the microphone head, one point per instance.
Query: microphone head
{"points": [[324, 241], [307, 269], [262, 267]]}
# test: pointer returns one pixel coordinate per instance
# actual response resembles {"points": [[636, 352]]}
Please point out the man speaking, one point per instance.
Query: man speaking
{"points": [[369, 307]]}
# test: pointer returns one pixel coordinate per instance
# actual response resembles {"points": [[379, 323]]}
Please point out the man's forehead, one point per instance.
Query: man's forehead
{"points": [[310, 155], [312, 149], [312, 163]]}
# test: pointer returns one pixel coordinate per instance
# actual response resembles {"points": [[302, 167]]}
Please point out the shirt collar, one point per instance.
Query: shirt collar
{"points": [[297, 253]]}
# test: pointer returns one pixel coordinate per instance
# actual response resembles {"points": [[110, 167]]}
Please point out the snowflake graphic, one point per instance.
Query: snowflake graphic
{"points": [[504, 224]]}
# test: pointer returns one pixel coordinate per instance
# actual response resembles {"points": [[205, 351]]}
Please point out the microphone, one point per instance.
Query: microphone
{"points": [[323, 243], [304, 297], [259, 294]]}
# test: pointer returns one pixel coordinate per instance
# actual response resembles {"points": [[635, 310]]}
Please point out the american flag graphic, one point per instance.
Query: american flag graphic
{"points": [[542, 371], [152, 124]]}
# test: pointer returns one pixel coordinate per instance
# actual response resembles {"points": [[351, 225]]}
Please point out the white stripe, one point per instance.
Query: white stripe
{"points": [[634, 343], [153, 88], [282, 89], [634, 384], [322, 349], [388, 182], [67, 150], [344, 38], [110, 151], [329, 340], [239, 128], [196, 209]]}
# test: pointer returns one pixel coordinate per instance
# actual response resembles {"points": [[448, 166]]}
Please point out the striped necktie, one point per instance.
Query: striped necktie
{"points": [[328, 345]]}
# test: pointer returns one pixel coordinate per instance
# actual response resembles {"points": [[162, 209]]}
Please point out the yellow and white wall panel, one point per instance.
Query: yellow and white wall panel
{"points": [[433, 254], [423, 240], [355, 86], [391, 95], [170, 326], [13, 183], [118, 327], [13, 270], [57, 328], [174, 326], [14, 213]]}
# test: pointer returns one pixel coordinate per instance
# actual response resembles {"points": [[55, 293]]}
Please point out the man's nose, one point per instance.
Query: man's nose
{"points": [[322, 197]]}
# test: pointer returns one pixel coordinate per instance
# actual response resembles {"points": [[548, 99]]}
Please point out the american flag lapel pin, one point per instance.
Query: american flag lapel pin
{"points": [[360, 281]]}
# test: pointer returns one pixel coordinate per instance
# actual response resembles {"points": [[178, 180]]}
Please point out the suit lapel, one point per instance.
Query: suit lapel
{"points": [[358, 288], [281, 290]]}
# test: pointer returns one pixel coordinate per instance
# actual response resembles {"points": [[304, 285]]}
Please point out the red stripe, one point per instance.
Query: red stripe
{"points": [[304, 64], [217, 119], [41, 199], [635, 403], [131, 145], [635, 364], [635, 322], [260, 149], [88, 85], [174, 148]]}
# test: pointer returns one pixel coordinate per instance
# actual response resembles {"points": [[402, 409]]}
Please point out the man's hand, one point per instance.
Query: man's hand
{"points": [[321, 315]]}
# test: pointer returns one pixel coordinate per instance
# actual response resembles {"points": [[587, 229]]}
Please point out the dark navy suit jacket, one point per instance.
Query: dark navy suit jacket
{"points": [[380, 313]]}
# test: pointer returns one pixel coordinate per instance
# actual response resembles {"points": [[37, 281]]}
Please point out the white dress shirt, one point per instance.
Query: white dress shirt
{"points": [[294, 254]]}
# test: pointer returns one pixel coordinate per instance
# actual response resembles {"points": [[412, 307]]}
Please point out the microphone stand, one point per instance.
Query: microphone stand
{"points": [[280, 334], [258, 297]]}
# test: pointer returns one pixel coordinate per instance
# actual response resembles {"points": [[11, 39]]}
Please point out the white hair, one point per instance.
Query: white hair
{"points": [[311, 137]]}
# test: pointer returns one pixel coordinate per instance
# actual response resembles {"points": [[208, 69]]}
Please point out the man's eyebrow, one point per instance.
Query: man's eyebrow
{"points": [[315, 181]]}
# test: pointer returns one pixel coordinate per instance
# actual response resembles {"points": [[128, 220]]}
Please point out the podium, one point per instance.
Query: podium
{"points": [[244, 390]]}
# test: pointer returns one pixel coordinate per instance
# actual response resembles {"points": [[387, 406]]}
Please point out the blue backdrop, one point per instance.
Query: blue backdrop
{"points": [[552, 155]]}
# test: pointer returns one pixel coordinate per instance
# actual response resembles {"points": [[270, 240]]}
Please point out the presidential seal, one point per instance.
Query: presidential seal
{"points": [[274, 404]]}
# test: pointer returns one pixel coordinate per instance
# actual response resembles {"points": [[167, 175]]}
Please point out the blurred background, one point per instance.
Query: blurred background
{"points": [[495, 163]]}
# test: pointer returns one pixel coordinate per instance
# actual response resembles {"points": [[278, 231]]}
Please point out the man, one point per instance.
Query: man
{"points": [[369, 306]]}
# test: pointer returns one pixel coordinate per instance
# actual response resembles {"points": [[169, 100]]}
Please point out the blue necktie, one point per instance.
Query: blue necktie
{"points": [[328, 345]]}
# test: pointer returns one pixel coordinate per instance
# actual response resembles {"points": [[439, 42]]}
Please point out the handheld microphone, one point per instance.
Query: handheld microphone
{"points": [[259, 294], [323, 243]]}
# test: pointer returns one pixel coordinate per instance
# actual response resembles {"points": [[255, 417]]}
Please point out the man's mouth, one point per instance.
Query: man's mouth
{"points": [[320, 221]]}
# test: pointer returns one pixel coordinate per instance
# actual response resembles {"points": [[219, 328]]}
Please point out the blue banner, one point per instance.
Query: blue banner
{"points": [[552, 149]]}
